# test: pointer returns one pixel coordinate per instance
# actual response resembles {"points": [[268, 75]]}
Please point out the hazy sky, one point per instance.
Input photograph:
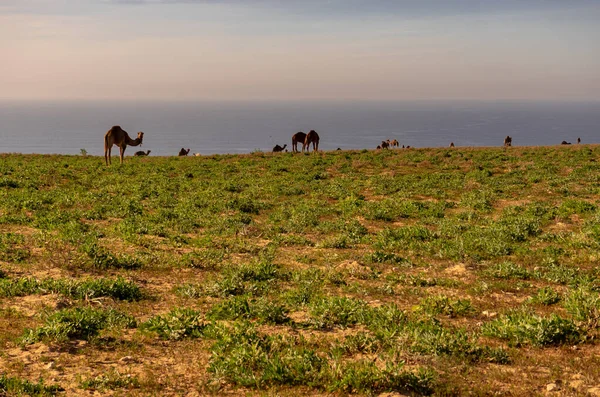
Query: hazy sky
{"points": [[300, 49]]}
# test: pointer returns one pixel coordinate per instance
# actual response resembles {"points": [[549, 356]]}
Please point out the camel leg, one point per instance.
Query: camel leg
{"points": [[122, 152], [107, 157]]}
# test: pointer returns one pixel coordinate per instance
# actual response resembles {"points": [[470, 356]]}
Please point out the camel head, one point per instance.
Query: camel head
{"points": [[140, 137]]}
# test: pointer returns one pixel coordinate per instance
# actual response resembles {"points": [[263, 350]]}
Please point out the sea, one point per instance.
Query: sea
{"points": [[244, 127]]}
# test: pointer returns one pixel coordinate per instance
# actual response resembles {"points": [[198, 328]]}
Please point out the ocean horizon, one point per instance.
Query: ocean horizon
{"points": [[236, 127]]}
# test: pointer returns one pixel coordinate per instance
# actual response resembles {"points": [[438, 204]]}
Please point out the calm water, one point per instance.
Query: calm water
{"points": [[242, 127]]}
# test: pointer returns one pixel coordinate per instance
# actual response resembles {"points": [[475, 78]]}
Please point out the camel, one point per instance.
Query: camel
{"points": [[298, 137], [117, 136], [278, 148], [508, 141], [197, 154], [394, 143], [385, 144], [184, 152], [451, 144], [142, 153], [378, 147], [313, 137], [578, 140], [565, 143]]}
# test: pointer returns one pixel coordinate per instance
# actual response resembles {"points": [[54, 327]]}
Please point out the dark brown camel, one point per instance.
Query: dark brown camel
{"points": [[578, 140], [312, 137], [142, 153], [184, 152], [508, 141], [385, 145], [117, 136], [565, 143], [451, 144], [298, 137], [278, 148]]}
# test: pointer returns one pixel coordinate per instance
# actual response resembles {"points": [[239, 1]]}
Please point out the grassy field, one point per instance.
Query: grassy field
{"points": [[420, 271]]}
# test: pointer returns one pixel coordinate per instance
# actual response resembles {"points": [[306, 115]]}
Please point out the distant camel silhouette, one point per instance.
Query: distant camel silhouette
{"points": [[394, 143], [184, 152], [378, 147], [142, 153], [565, 143], [451, 144], [278, 148], [578, 140], [117, 136], [312, 137], [508, 141], [385, 144], [339, 148], [298, 137]]}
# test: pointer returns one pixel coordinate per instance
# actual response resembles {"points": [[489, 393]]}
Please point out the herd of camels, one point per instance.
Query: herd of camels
{"points": [[119, 137]]}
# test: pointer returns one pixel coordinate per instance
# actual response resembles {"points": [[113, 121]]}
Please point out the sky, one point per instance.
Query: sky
{"points": [[300, 50]]}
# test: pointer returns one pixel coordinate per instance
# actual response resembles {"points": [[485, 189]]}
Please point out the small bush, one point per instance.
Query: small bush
{"points": [[440, 304], [545, 296], [102, 259], [87, 289], [13, 386], [520, 328], [584, 305], [335, 311], [179, 323], [508, 270], [241, 307], [77, 323]]}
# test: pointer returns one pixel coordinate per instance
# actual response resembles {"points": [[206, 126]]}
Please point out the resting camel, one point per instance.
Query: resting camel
{"points": [[117, 136], [197, 154], [142, 153], [298, 137], [565, 143], [278, 148], [184, 152], [312, 137], [451, 144], [385, 145], [508, 141]]}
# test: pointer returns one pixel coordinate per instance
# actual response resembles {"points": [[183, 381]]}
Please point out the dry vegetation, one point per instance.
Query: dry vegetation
{"points": [[434, 271]]}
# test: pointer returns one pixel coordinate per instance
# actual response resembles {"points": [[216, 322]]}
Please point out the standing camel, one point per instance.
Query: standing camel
{"points": [[385, 144], [278, 148], [298, 137], [313, 137], [117, 136], [508, 141], [142, 153], [184, 152], [394, 143]]}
